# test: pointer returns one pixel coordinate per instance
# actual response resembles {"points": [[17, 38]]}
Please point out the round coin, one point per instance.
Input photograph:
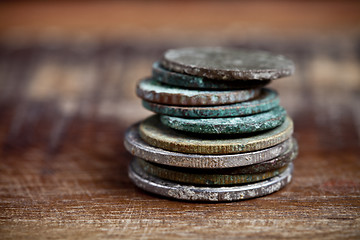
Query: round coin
{"points": [[267, 100], [139, 148], [227, 64], [234, 125], [156, 134], [180, 175], [215, 194], [187, 81], [154, 91]]}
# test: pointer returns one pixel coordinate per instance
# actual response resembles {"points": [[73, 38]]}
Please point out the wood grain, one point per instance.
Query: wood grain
{"points": [[64, 108]]}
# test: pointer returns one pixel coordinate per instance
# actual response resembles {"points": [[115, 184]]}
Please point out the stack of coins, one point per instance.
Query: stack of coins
{"points": [[218, 134]]}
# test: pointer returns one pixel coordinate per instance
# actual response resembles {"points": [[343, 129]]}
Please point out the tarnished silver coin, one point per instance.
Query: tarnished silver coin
{"points": [[215, 194], [139, 148], [227, 64], [153, 91]]}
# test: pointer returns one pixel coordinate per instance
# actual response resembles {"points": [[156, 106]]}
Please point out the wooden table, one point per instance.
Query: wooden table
{"points": [[64, 107]]}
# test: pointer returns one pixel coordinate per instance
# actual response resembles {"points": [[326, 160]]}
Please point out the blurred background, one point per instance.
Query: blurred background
{"points": [[85, 57]]}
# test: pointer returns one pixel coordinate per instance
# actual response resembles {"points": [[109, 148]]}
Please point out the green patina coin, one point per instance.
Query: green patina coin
{"points": [[267, 100], [234, 125], [183, 175], [156, 134], [187, 81], [154, 91], [227, 64]]}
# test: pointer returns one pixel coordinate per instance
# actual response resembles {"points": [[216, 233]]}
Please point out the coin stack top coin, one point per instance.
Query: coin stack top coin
{"points": [[218, 134]]}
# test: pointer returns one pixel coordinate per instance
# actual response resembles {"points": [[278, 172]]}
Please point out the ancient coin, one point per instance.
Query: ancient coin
{"points": [[187, 81], [267, 100], [272, 164], [231, 125], [139, 148], [227, 64], [156, 134], [154, 91], [199, 193], [181, 175]]}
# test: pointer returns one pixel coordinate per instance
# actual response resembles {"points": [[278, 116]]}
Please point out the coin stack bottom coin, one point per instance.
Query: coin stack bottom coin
{"points": [[218, 134]]}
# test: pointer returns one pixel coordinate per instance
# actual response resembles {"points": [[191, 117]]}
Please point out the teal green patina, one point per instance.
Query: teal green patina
{"points": [[187, 81], [247, 124], [267, 100]]}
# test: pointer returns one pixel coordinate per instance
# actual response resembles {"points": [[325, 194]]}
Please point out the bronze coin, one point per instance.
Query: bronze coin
{"points": [[182, 175], [156, 134]]}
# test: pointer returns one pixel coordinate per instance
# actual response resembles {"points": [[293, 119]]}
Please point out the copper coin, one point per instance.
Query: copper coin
{"points": [[156, 134], [153, 91], [227, 63]]}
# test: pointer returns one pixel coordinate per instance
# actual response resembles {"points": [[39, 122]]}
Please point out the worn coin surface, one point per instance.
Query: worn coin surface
{"points": [[139, 148], [267, 100], [199, 193], [154, 91], [227, 64], [180, 175], [187, 81], [156, 134], [231, 125], [266, 166]]}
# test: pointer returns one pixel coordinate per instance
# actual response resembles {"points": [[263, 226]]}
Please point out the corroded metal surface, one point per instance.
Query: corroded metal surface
{"points": [[139, 148], [228, 64], [214, 194], [231, 125], [180, 175], [156, 134], [153, 91], [187, 81], [267, 100]]}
